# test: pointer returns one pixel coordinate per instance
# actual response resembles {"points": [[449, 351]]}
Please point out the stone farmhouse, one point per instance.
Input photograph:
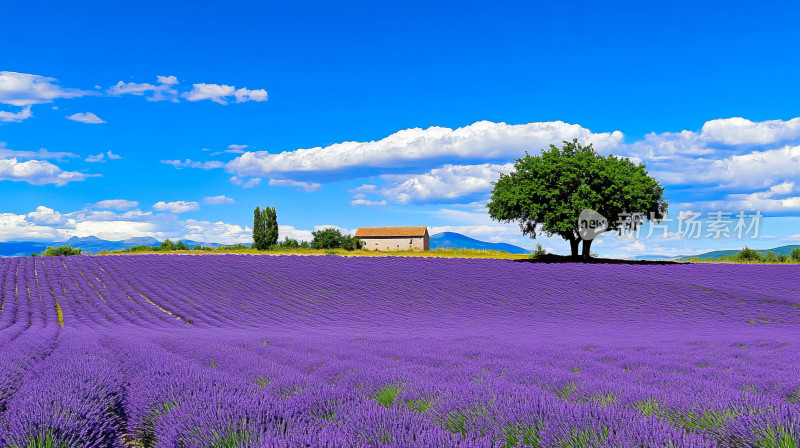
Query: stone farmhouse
{"points": [[395, 238]]}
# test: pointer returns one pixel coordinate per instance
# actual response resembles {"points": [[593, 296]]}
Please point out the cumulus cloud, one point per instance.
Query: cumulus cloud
{"points": [[308, 187], [86, 117], [296, 234], [216, 232], [113, 156], [757, 169], [164, 90], [445, 183], [38, 172], [482, 140], [115, 204], [16, 117], [45, 216], [741, 131], [777, 198], [221, 93], [168, 80], [246, 183], [46, 224], [215, 200], [176, 206], [24, 89], [17, 228], [115, 230]]}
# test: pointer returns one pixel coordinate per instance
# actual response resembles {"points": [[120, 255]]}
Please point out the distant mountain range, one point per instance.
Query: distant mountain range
{"points": [[452, 240], [782, 250], [88, 244], [92, 244]]}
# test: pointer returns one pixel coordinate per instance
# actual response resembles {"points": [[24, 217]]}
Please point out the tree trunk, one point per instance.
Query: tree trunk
{"points": [[573, 245], [587, 244]]}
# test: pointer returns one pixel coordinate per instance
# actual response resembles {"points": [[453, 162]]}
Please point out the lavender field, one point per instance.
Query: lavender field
{"points": [[327, 351]]}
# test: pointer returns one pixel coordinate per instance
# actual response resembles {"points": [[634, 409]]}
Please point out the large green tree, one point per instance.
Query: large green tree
{"points": [[549, 192]]}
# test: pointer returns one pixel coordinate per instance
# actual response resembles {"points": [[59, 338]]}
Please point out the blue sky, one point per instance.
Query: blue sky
{"points": [[366, 114]]}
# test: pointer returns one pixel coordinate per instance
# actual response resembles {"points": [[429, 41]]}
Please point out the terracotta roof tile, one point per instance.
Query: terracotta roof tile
{"points": [[366, 232]]}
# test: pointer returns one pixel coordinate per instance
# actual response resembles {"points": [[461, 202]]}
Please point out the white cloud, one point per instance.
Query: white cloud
{"points": [[18, 228], [367, 203], [246, 184], [40, 154], [216, 232], [164, 90], [38, 172], [215, 200], [16, 117], [237, 147], [243, 95], [114, 230], [447, 182], [176, 206], [169, 80], [740, 131], [95, 158], [365, 188], [86, 117], [291, 232], [45, 216], [24, 89], [308, 187], [221, 93], [484, 140], [757, 169], [101, 157], [188, 163], [115, 204]]}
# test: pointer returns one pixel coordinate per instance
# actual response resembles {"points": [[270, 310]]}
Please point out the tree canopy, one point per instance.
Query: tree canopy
{"points": [[549, 192]]}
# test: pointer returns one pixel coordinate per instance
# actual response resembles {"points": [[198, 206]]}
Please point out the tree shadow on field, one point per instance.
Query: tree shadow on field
{"points": [[552, 258]]}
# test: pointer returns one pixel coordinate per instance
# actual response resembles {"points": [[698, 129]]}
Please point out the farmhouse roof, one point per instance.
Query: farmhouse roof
{"points": [[366, 232]]}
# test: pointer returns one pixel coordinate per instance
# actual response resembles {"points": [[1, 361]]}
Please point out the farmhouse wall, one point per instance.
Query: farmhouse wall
{"points": [[396, 243]]}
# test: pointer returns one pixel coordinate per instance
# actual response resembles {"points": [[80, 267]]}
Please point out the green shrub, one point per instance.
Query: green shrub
{"points": [[795, 254], [140, 248], [348, 242], [748, 255], [290, 243], [326, 239], [61, 251], [782, 258], [770, 257], [539, 252]]}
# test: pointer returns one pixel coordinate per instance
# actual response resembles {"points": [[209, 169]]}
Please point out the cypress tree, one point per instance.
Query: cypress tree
{"points": [[271, 226], [258, 229]]}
